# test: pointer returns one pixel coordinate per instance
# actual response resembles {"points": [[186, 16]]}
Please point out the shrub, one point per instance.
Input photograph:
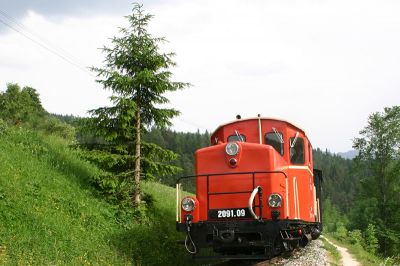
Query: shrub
{"points": [[341, 231], [56, 127], [394, 260], [3, 126], [371, 241], [355, 237]]}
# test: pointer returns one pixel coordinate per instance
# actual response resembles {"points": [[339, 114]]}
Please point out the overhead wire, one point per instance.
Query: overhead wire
{"points": [[44, 43], [23, 31], [195, 125], [40, 37]]}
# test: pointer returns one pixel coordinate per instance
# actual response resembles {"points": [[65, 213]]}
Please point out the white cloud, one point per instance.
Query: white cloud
{"points": [[64, 87], [325, 65]]}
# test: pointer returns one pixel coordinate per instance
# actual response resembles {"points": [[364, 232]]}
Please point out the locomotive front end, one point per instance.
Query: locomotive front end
{"points": [[246, 203], [239, 200]]}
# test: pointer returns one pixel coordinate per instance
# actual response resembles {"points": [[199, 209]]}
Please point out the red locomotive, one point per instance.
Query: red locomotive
{"points": [[257, 193]]}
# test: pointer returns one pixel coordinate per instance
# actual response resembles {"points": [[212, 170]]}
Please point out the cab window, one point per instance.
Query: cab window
{"points": [[296, 146], [240, 137], [275, 140]]}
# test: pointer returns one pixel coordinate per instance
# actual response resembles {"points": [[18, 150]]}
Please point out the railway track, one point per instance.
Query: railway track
{"points": [[312, 255]]}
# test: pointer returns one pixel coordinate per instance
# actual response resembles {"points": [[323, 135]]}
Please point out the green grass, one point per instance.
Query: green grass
{"points": [[50, 214], [334, 255], [361, 255]]}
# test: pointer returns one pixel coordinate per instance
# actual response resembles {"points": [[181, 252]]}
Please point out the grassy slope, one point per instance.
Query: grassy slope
{"points": [[50, 215]]}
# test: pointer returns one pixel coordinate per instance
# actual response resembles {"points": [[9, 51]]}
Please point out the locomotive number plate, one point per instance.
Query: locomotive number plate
{"points": [[229, 213]]}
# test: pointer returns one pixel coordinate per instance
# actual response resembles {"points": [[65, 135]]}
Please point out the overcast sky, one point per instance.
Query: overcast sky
{"points": [[324, 65]]}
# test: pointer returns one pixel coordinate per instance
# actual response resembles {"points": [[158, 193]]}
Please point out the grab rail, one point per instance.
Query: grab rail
{"points": [[179, 186], [251, 200]]}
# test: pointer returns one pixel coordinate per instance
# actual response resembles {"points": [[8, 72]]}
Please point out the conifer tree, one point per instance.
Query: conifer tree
{"points": [[138, 75]]}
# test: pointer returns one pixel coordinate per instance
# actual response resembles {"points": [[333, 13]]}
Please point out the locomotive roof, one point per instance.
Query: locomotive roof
{"points": [[256, 118]]}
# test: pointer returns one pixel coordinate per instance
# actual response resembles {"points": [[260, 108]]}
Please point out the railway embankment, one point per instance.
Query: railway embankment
{"points": [[315, 254], [312, 255]]}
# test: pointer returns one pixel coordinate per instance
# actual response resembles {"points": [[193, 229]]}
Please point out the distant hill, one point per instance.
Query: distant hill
{"points": [[338, 181], [348, 154]]}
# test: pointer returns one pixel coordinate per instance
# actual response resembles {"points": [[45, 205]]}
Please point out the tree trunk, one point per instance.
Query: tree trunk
{"points": [[137, 159], [383, 200]]}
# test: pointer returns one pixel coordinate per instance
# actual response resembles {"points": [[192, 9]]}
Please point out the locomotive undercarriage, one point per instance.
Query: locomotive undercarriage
{"points": [[250, 239]]}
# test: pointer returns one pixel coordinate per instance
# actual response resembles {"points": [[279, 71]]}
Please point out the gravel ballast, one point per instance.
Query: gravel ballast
{"points": [[312, 255]]}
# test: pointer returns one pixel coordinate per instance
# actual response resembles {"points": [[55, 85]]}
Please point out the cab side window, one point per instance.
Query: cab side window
{"points": [[240, 137], [275, 140], [296, 146]]}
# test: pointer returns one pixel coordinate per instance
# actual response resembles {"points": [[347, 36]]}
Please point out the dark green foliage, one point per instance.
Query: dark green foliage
{"points": [[356, 237], [184, 144], [157, 147], [22, 107], [378, 202], [117, 162], [339, 178], [138, 75], [366, 189], [3, 126], [371, 242], [54, 126], [68, 119], [334, 221]]}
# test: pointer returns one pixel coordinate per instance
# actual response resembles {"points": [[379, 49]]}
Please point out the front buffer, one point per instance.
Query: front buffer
{"points": [[235, 239], [240, 233]]}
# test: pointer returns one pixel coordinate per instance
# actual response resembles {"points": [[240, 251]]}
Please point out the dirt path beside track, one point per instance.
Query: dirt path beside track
{"points": [[314, 254], [347, 258]]}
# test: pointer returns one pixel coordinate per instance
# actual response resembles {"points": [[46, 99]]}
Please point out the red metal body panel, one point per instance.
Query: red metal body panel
{"points": [[294, 182], [251, 158]]}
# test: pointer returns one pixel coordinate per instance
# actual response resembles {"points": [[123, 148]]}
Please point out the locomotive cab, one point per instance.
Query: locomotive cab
{"points": [[256, 191]]}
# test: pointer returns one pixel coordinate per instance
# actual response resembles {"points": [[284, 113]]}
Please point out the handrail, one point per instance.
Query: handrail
{"points": [[223, 174], [251, 199], [177, 203], [231, 173]]}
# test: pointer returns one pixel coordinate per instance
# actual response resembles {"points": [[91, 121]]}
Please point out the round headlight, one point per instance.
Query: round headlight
{"points": [[231, 148], [188, 204], [275, 200]]}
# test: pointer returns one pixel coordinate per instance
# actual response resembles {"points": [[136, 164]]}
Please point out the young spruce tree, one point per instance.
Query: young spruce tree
{"points": [[138, 75]]}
